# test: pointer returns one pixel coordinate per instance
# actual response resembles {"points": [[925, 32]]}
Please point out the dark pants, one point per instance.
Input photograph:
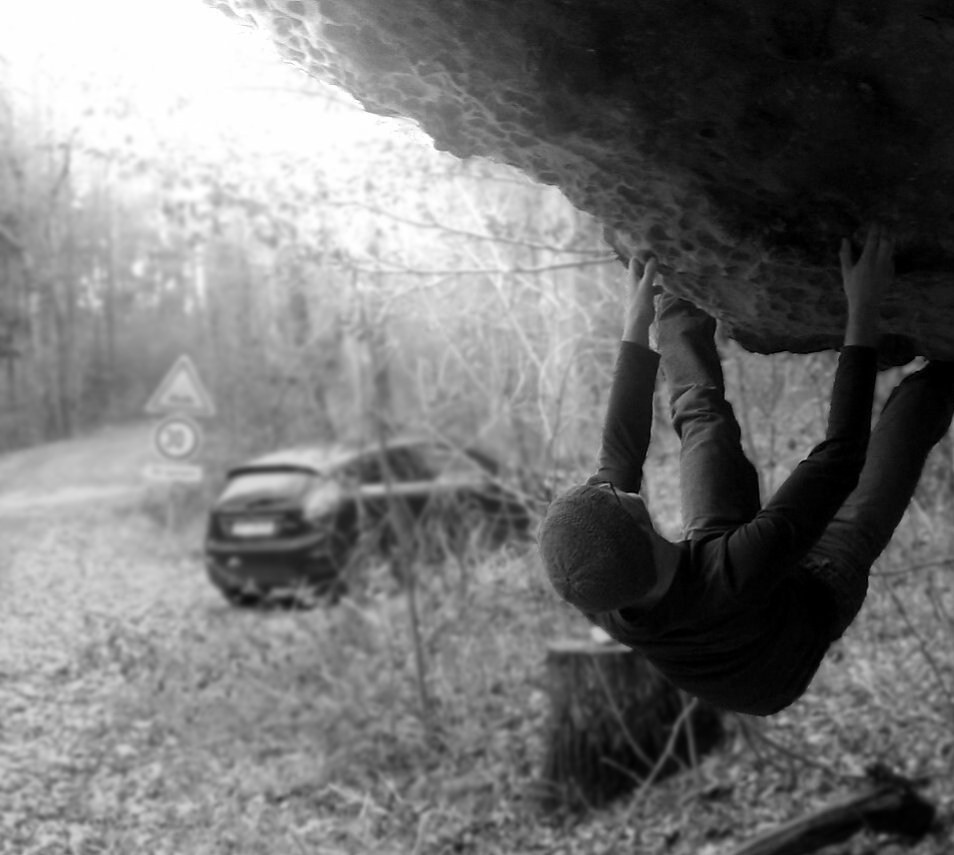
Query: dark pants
{"points": [[720, 486]]}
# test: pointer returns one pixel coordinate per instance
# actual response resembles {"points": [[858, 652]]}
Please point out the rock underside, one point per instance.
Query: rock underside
{"points": [[738, 140]]}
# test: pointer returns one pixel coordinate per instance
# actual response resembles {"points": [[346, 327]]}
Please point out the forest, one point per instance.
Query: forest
{"points": [[319, 288], [334, 277], [328, 271]]}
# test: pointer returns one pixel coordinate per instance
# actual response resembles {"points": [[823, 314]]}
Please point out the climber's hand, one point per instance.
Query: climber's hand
{"points": [[640, 307], [865, 282]]}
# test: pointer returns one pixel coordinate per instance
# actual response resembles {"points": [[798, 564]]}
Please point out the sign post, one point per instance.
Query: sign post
{"points": [[177, 438]]}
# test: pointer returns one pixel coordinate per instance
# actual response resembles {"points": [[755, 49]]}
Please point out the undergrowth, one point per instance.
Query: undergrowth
{"points": [[146, 715]]}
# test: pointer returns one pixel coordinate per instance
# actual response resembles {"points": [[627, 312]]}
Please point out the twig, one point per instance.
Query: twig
{"points": [[419, 836], [299, 843], [668, 750], [11, 240], [925, 652], [433, 224], [513, 271], [693, 749], [937, 604], [618, 715], [915, 568], [791, 753], [647, 782]]}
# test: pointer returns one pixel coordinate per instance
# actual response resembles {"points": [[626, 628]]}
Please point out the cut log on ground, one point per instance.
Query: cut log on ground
{"points": [[890, 805], [615, 723]]}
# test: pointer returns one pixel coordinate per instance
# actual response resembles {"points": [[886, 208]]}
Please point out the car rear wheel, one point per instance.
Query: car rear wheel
{"points": [[242, 599], [301, 598], [309, 596]]}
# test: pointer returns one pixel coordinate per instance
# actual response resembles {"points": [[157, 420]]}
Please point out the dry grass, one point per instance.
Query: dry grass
{"points": [[141, 714]]}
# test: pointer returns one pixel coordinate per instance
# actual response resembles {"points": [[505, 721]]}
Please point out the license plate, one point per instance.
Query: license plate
{"points": [[254, 528]]}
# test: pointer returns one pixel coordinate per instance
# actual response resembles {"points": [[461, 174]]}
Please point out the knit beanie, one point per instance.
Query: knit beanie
{"points": [[597, 556]]}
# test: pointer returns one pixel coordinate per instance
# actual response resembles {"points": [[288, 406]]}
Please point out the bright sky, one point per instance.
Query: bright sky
{"points": [[86, 32], [186, 44], [168, 47]]}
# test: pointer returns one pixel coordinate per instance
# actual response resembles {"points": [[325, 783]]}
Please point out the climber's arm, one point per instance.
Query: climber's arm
{"points": [[802, 507], [629, 416]]}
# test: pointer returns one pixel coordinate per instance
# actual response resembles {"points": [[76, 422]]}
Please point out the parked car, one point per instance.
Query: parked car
{"points": [[286, 525]]}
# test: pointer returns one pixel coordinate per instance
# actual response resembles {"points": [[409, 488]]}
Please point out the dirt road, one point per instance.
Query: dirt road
{"points": [[97, 603], [103, 467], [139, 713]]}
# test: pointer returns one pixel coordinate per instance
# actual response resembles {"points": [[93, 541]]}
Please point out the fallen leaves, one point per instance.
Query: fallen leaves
{"points": [[139, 714]]}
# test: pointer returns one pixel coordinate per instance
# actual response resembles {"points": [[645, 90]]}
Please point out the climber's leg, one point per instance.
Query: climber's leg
{"points": [[917, 415], [720, 487]]}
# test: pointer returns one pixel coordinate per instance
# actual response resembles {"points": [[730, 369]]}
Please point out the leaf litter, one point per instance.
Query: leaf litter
{"points": [[139, 714]]}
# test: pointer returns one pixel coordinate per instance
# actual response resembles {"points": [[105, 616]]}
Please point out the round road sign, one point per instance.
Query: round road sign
{"points": [[177, 438]]}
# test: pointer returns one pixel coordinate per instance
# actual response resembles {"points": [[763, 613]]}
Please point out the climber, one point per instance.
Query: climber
{"points": [[742, 610]]}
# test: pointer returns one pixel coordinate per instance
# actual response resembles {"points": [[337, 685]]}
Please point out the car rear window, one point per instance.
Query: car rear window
{"points": [[266, 484]]}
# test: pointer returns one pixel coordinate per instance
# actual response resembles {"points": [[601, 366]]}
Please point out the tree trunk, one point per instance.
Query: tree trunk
{"points": [[889, 807], [615, 723], [114, 211]]}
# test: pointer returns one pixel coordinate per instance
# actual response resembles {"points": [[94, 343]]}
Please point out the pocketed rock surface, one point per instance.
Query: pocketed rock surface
{"points": [[738, 141]]}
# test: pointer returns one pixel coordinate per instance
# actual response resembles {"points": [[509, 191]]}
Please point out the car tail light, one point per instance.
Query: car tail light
{"points": [[292, 524], [323, 500], [216, 529]]}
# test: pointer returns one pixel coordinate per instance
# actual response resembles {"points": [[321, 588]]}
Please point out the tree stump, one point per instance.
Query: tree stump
{"points": [[615, 723]]}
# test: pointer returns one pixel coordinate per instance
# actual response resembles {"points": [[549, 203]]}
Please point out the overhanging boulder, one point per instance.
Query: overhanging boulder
{"points": [[738, 140]]}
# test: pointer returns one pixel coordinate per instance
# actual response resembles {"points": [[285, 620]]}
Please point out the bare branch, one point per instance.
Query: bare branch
{"points": [[513, 271], [915, 568], [925, 649], [420, 224], [750, 729], [11, 240]]}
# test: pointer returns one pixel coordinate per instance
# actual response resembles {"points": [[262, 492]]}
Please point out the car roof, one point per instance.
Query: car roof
{"points": [[307, 459], [318, 459]]}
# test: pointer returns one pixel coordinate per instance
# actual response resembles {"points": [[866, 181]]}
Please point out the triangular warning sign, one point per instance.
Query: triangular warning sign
{"points": [[181, 391]]}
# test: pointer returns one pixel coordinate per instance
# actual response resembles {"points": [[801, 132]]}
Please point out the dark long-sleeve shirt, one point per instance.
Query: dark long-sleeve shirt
{"points": [[742, 625]]}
